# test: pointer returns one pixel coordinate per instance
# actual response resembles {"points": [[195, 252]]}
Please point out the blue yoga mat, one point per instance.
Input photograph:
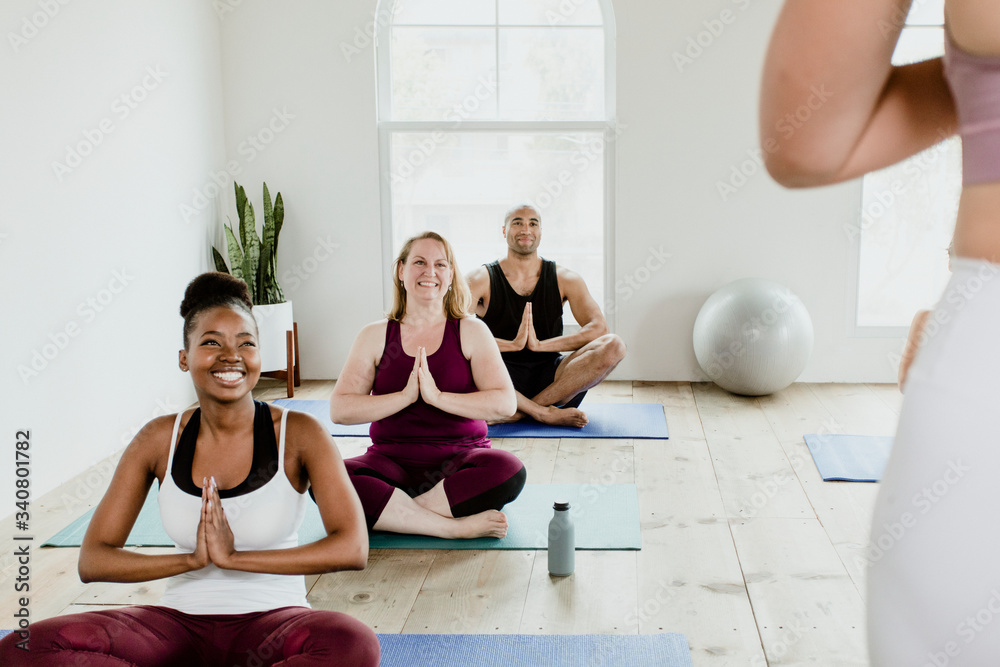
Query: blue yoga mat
{"points": [[849, 458], [663, 650], [606, 518], [607, 420]]}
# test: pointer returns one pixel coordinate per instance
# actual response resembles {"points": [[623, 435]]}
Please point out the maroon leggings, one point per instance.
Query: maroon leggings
{"points": [[476, 479], [148, 636]]}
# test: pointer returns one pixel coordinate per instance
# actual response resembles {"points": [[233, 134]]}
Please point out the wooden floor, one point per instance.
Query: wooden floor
{"points": [[744, 548]]}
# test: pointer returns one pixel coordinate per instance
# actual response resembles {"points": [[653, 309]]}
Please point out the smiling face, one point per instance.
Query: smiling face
{"points": [[426, 273], [523, 230], [222, 354]]}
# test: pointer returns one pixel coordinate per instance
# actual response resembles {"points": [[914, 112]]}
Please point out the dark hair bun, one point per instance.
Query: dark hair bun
{"points": [[214, 289]]}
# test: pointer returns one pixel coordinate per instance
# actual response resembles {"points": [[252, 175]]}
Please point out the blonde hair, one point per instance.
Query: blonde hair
{"points": [[457, 299]]}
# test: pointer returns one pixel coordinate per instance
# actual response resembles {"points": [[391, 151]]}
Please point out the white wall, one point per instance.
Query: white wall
{"points": [[99, 249], [263, 90], [682, 132], [286, 56]]}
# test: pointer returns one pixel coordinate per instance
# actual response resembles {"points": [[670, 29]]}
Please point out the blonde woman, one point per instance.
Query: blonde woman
{"points": [[428, 377]]}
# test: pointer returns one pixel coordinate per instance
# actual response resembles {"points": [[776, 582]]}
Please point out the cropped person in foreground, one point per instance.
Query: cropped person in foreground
{"points": [[932, 563]]}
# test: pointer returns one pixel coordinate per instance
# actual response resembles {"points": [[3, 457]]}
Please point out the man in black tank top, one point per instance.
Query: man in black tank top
{"points": [[520, 298]]}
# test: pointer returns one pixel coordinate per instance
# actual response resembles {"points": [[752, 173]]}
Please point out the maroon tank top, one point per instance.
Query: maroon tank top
{"points": [[420, 423]]}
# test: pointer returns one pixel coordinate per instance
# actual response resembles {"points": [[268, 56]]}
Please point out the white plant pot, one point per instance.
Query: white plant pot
{"points": [[272, 323]]}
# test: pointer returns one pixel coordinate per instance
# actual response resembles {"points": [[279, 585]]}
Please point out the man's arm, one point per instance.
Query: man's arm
{"points": [[585, 310]]}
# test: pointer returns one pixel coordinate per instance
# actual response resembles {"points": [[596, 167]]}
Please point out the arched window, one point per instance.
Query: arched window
{"points": [[907, 211], [484, 104]]}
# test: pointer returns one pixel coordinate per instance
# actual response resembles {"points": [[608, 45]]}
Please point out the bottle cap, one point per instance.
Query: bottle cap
{"points": [[561, 505]]}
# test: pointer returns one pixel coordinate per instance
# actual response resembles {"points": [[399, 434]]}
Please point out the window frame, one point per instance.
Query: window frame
{"points": [[916, 21], [386, 128]]}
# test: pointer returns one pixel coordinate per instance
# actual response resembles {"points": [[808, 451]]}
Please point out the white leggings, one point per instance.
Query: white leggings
{"points": [[934, 556]]}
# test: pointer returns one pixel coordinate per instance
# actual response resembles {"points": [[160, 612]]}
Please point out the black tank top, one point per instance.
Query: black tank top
{"points": [[265, 462], [503, 316]]}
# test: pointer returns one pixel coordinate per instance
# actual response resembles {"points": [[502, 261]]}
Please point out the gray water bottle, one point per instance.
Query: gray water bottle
{"points": [[562, 541]]}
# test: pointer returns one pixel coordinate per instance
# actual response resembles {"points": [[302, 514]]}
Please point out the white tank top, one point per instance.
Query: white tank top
{"points": [[266, 518]]}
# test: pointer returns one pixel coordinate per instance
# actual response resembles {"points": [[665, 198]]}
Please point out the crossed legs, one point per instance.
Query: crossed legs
{"points": [[459, 499], [577, 372]]}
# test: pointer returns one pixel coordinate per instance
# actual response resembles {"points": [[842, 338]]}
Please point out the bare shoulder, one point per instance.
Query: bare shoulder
{"points": [[571, 283], [150, 448], [474, 335], [473, 326], [304, 432], [479, 282]]}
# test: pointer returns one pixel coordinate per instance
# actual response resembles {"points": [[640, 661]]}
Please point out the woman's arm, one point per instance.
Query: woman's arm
{"points": [[494, 398], [913, 340], [345, 546], [352, 401], [832, 105], [102, 554]]}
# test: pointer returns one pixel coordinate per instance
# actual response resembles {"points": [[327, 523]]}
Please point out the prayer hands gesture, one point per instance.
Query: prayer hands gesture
{"points": [[215, 537], [526, 338], [421, 383]]}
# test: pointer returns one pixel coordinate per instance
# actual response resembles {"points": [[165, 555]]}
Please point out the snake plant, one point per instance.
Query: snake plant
{"points": [[252, 260]]}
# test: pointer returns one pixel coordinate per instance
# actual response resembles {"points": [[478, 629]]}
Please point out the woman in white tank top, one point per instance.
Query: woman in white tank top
{"points": [[235, 592]]}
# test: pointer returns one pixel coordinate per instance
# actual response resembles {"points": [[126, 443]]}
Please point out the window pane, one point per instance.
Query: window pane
{"points": [[445, 12], [443, 73], [908, 218], [926, 12], [461, 184], [916, 44], [550, 12], [551, 74]]}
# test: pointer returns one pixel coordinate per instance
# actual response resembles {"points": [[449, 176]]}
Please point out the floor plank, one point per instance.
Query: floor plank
{"points": [[744, 548]]}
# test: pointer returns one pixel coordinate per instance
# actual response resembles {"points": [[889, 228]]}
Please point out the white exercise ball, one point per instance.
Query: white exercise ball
{"points": [[753, 337]]}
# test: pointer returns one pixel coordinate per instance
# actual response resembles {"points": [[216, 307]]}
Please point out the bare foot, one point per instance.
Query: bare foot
{"points": [[563, 417], [490, 523], [516, 417]]}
